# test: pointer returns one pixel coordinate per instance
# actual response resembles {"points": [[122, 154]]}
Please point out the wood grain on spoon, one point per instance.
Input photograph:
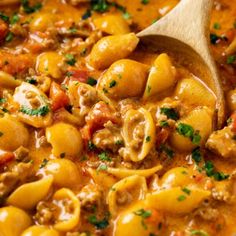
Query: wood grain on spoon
{"points": [[185, 33]]}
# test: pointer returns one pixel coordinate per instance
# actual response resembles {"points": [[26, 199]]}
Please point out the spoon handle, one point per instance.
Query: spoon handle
{"points": [[188, 22]]}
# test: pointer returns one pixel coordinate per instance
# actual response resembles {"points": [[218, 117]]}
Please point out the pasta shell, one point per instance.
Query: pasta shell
{"points": [[139, 134], [194, 93], [67, 218], [112, 24], [8, 81], [161, 76], [28, 195], [38, 230], [13, 221], [130, 189], [112, 48], [176, 177], [34, 105], [201, 120], [175, 200], [123, 173]]}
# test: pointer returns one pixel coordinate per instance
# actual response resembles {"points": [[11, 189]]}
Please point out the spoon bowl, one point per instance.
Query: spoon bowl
{"points": [[184, 33]]}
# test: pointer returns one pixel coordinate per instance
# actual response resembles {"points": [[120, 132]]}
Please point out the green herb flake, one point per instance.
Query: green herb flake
{"points": [[99, 224], [219, 176], [119, 142], [91, 146], [164, 123], [186, 190], [188, 132], [214, 38], [102, 167], [168, 151], [86, 15], [171, 113], [31, 81], [231, 59], [104, 90], [198, 232], [1, 134], [148, 139], [30, 9], [216, 26], [4, 17], [9, 37], [143, 213], [112, 84], [44, 163], [149, 89], [70, 59], [15, 18], [104, 157], [3, 100], [42, 111], [181, 198], [144, 2], [126, 15], [100, 5], [91, 81], [196, 155]]}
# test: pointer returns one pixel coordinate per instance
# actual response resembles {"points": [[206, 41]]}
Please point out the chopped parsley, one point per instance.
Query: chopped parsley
{"points": [[119, 142], [148, 139], [168, 151], [216, 26], [143, 213], [188, 132], [102, 167], [164, 123], [104, 157], [3, 100], [42, 111], [44, 163], [91, 146], [70, 59], [181, 198], [99, 224], [112, 84], [231, 59], [214, 38], [186, 190], [31, 81], [149, 89], [126, 15], [15, 18], [4, 17], [144, 2], [170, 113], [100, 5], [211, 172], [1, 134], [196, 155], [91, 81], [9, 37], [30, 9], [86, 15]]}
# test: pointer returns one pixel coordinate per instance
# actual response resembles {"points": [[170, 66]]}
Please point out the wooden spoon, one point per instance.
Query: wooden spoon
{"points": [[184, 32]]}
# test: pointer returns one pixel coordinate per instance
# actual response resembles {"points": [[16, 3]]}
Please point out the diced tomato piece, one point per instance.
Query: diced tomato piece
{"points": [[6, 157], [78, 75], [15, 64], [162, 136], [58, 97], [233, 122], [100, 114], [3, 30]]}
